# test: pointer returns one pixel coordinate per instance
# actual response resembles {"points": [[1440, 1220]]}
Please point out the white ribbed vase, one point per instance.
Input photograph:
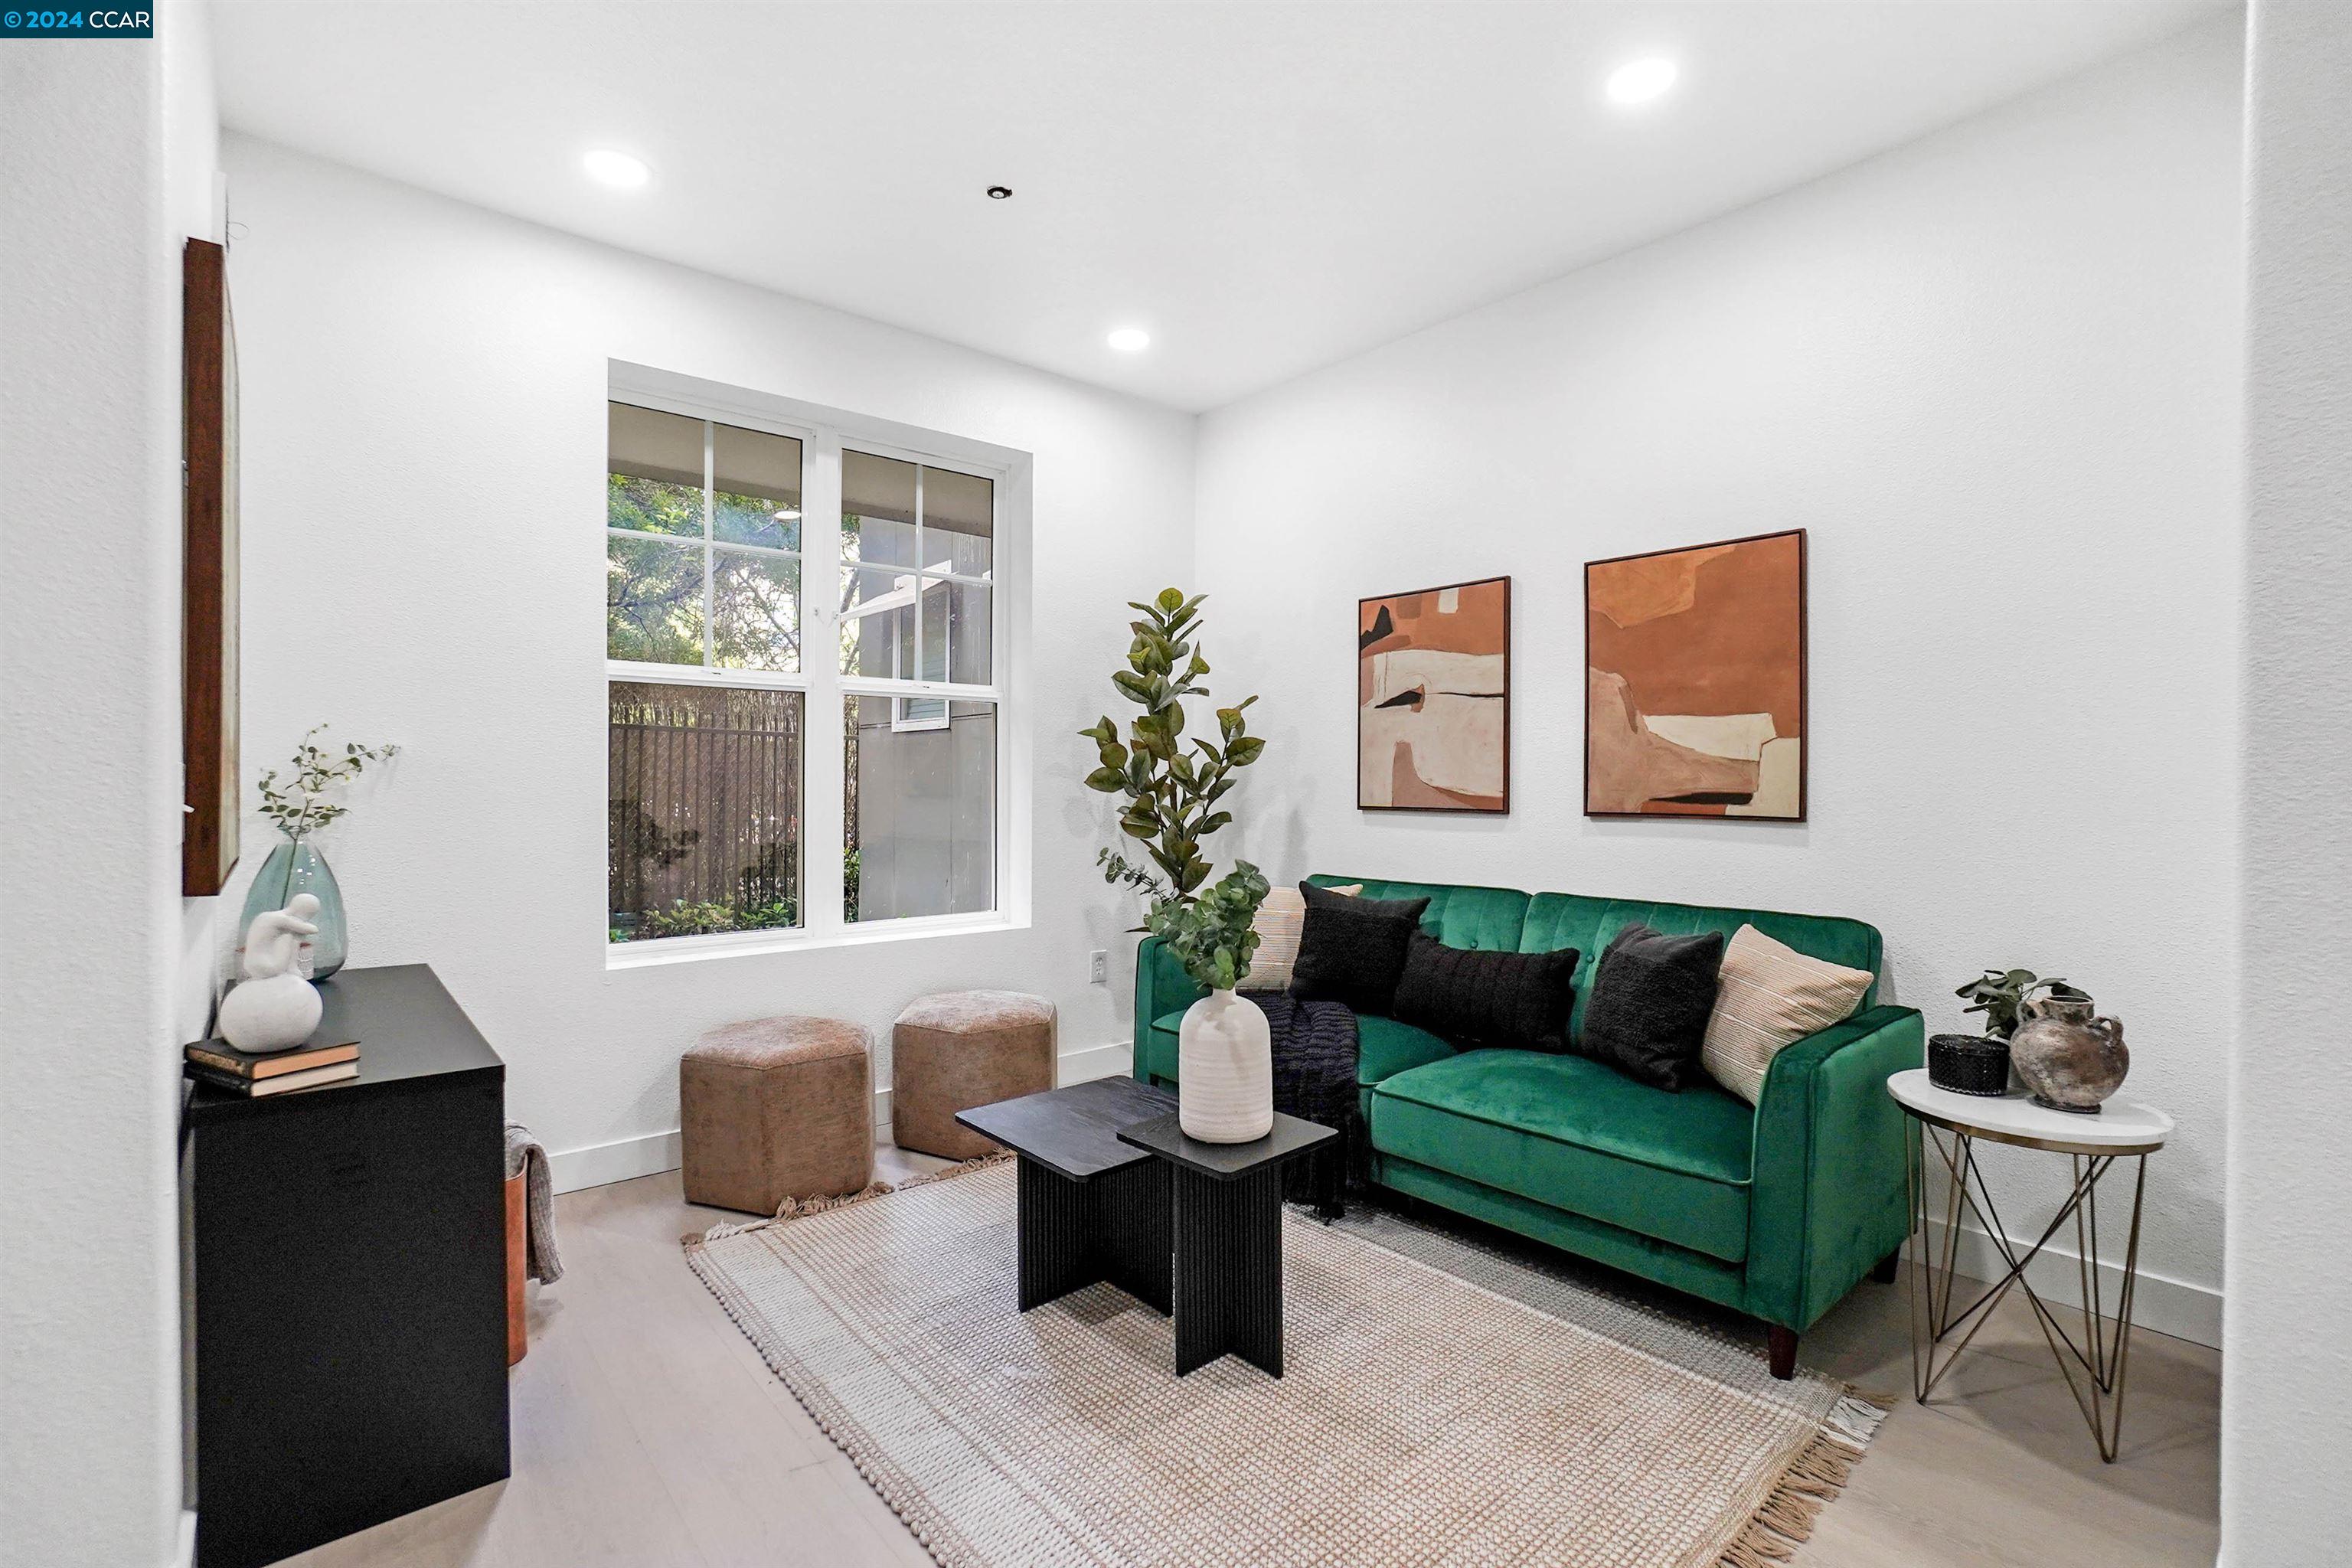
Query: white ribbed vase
{"points": [[1225, 1070]]}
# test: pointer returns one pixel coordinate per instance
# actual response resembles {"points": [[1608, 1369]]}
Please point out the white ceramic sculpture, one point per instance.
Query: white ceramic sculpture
{"points": [[1225, 1070], [274, 1006]]}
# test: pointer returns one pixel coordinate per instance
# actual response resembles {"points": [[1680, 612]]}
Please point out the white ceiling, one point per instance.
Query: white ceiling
{"points": [[1266, 187]]}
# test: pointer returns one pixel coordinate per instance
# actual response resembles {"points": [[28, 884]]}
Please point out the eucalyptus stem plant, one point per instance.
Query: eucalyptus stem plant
{"points": [[303, 808], [1213, 937]]}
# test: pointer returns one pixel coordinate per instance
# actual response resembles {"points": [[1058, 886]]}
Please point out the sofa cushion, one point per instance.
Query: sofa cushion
{"points": [[1353, 948], [1474, 998], [1155, 1057], [1279, 922], [1588, 924], [1383, 1047], [1652, 996], [1482, 917], [1571, 1133], [1767, 997]]}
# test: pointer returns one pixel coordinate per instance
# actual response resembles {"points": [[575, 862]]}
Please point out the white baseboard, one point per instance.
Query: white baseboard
{"points": [[629, 1158], [1096, 1061], [620, 1161], [2168, 1306], [183, 1554]]}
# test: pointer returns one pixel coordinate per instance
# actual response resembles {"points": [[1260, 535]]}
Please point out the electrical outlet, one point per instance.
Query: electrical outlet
{"points": [[1098, 967]]}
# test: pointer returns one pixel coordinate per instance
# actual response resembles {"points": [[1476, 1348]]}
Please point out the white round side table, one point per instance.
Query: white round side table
{"points": [[2122, 1130]]}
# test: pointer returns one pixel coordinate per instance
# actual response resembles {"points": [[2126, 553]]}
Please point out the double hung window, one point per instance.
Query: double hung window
{"points": [[728, 638]]}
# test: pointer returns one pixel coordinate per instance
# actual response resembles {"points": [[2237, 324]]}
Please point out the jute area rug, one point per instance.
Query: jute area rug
{"points": [[1443, 1404]]}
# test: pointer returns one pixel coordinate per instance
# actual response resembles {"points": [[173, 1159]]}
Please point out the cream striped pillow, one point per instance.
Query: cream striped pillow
{"points": [[1280, 920], [1768, 996]]}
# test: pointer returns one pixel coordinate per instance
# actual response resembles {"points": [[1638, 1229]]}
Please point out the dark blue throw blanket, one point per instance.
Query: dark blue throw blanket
{"points": [[1314, 1077]]}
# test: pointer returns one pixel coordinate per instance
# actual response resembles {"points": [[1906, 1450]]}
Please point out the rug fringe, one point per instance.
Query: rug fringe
{"points": [[964, 1168], [1856, 1418], [801, 1208], [1784, 1520]]}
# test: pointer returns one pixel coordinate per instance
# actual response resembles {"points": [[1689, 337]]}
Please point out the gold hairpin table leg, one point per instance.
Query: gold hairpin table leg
{"points": [[2095, 1368]]}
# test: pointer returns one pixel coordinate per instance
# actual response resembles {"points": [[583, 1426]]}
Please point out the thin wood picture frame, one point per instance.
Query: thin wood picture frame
{"points": [[209, 619], [1800, 654], [1481, 748]]}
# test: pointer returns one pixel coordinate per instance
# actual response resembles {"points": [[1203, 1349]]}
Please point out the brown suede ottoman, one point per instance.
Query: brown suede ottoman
{"points": [[772, 1108], [962, 1048]]}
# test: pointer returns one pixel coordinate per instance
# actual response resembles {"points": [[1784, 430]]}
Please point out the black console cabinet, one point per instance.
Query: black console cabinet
{"points": [[350, 1261]]}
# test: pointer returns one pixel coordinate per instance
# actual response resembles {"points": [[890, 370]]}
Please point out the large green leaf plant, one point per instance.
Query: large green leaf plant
{"points": [[1170, 789]]}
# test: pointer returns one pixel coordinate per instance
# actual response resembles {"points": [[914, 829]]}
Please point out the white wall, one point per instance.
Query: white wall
{"points": [[1993, 373], [106, 163], [425, 385], [2286, 1409]]}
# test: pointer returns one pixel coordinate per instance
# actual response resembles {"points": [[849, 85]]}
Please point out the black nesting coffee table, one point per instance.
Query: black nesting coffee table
{"points": [[1228, 1203], [1092, 1208]]}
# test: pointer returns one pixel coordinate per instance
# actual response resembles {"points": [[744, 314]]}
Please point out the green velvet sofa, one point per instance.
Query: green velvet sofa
{"points": [[1776, 1210]]}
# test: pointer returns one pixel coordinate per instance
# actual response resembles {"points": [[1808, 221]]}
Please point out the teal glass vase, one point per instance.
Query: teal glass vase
{"points": [[299, 868]]}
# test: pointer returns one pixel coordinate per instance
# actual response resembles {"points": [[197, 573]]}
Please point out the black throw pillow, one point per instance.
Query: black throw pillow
{"points": [[1651, 998], [1352, 950], [1507, 1001]]}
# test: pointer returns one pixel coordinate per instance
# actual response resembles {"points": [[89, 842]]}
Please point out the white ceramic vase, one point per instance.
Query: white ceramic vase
{"points": [[1225, 1070]]}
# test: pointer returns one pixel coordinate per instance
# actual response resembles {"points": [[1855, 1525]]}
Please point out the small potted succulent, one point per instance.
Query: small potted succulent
{"points": [[1980, 1064]]}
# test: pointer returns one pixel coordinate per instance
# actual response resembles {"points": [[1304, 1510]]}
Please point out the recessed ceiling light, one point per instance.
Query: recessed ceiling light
{"points": [[1131, 340], [618, 169], [999, 193], [1638, 81]]}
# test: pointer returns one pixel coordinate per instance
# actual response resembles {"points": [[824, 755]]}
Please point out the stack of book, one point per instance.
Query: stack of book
{"points": [[223, 1066]]}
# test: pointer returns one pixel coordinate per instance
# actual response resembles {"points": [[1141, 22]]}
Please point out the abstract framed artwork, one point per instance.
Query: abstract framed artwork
{"points": [[1433, 699], [1695, 682], [208, 608]]}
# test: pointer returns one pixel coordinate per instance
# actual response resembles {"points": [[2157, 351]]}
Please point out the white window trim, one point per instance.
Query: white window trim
{"points": [[822, 432]]}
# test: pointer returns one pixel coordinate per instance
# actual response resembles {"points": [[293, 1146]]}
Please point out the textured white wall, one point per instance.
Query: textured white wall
{"points": [[2286, 1412], [1994, 374], [425, 385], [106, 163]]}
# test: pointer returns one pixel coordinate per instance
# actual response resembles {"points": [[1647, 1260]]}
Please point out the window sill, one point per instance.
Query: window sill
{"points": [[658, 952]]}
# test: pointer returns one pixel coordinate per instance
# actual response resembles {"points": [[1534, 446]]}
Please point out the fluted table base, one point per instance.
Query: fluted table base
{"points": [[1112, 1228], [1229, 1269]]}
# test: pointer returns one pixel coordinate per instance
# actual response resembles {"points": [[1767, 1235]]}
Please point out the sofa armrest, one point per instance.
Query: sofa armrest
{"points": [[1161, 987], [1830, 1195]]}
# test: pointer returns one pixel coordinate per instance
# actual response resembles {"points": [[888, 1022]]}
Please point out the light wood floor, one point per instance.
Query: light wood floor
{"points": [[648, 1433]]}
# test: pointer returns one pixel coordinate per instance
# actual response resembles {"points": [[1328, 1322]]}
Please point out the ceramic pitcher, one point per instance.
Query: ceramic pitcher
{"points": [[2069, 1058]]}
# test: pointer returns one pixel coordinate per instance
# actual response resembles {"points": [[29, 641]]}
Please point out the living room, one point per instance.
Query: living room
{"points": [[1412, 1115]]}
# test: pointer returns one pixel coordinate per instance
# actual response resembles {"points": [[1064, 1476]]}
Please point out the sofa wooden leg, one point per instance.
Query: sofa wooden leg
{"points": [[1884, 1272], [1781, 1350]]}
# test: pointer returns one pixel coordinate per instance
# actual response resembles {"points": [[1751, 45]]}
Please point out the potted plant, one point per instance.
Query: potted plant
{"points": [[1172, 787], [295, 866], [1980, 1064], [1224, 1058], [2001, 996], [2067, 1057]]}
